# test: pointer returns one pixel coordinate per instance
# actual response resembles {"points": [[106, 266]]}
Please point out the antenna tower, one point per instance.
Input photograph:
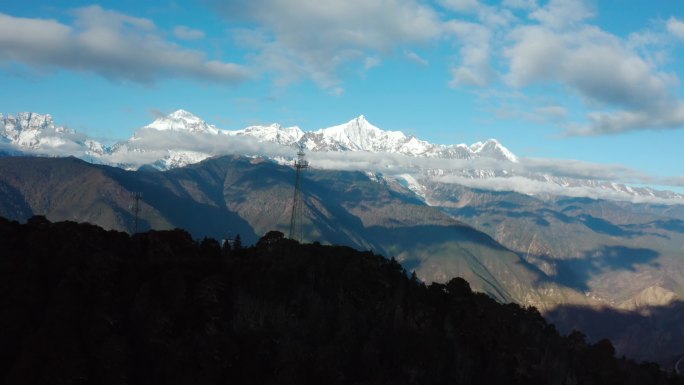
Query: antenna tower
{"points": [[297, 205], [136, 209]]}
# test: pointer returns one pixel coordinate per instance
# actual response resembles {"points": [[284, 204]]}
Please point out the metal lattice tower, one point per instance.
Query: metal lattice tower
{"points": [[136, 210], [297, 202]]}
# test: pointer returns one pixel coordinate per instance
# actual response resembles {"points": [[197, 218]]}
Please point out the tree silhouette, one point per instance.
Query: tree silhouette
{"points": [[82, 305], [237, 243]]}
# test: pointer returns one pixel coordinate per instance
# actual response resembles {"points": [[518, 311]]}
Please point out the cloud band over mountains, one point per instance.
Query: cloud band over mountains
{"points": [[525, 176]]}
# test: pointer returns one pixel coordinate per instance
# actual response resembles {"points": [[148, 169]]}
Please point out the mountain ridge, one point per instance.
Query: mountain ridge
{"points": [[181, 138]]}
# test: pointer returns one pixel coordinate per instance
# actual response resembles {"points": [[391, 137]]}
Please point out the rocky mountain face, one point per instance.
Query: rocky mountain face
{"points": [[612, 251]]}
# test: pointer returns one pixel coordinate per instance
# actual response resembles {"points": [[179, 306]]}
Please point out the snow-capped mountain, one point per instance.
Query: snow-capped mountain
{"points": [[182, 120], [356, 135], [179, 152], [34, 133], [274, 133], [181, 138], [360, 135], [493, 149]]}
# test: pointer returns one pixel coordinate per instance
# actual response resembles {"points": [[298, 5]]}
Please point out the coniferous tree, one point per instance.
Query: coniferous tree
{"points": [[226, 248]]}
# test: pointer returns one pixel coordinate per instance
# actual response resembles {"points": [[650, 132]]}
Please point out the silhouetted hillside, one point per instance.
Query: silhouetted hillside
{"points": [[83, 305], [650, 331]]}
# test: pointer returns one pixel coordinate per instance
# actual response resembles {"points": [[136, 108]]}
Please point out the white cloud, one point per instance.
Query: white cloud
{"points": [[559, 14], [629, 91], [414, 57], [475, 69], [185, 33], [531, 176], [582, 170], [545, 114], [461, 5], [312, 39], [157, 144], [669, 116], [527, 177], [108, 43], [371, 62], [552, 111], [299, 39], [676, 27], [620, 80], [520, 4], [535, 187]]}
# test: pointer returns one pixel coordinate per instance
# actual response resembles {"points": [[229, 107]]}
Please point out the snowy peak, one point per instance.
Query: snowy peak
{"points": [[25, 121], [184, 115], [31, 131], [360, 135], [493, 149], [356, 135], [274, 133], [184, 121]]}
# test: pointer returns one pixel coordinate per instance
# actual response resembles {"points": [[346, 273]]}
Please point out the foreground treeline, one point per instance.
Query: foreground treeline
{"points": [[80, 305]]}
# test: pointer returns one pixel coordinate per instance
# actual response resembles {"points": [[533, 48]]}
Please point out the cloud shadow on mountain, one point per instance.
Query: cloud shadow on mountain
{"points": [[652, 333], [541, 217], [577, 272], [605, 227], [13, 204], [168, 197], [674, 225]]}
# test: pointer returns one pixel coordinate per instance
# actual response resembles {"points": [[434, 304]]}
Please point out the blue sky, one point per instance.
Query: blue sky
{"points": [[593, 81]]}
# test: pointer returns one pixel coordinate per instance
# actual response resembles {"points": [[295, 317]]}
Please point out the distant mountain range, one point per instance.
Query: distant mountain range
{"points": [[550, 252], [182, 138], [356, 135]]}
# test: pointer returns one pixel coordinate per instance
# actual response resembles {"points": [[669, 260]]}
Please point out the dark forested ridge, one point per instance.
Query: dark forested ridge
{"points": [[81, 305]]}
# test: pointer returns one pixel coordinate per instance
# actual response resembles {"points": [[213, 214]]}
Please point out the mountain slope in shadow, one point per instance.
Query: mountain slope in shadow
{"points": [[652, 333]]}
